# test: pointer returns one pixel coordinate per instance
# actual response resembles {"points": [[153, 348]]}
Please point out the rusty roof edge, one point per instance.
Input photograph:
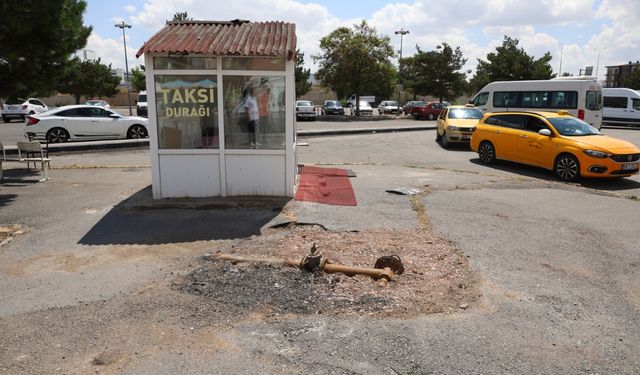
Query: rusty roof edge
{"points": [[236, 37]]}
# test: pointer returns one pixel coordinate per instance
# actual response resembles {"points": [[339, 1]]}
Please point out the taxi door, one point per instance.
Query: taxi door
{"points": [[505, 134], [440, 122], [533, 147]]}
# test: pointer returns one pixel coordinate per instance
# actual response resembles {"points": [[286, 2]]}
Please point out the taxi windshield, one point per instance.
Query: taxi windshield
{"points": [[572, 127], [465, 113]]}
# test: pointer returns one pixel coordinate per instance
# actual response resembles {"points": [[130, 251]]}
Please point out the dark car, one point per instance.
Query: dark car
{"points": [[332, 107], [408, 106], [429, 111]]}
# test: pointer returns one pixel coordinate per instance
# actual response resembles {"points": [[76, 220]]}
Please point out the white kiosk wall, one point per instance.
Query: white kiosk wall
{"points": [[202, 140]]}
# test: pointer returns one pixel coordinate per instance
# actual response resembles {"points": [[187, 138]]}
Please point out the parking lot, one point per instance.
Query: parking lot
{"points": [[89, 284]]}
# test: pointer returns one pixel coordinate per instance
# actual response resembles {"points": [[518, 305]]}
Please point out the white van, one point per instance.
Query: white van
{"points": [[580, 96], [621, 106], [141, 104]]}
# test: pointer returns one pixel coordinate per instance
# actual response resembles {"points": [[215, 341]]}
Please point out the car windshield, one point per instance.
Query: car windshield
{"points": [[332, 104], [142, 98], [572, 127], [392, 104], [465, 113], [364, 104], [14, 101], [419, 104], [304, 103]]}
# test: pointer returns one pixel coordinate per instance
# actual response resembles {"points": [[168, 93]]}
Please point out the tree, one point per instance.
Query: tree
{"points": [[437, 73], [510, 63], [88, 78], [633, 80], [356, 61], [302, 76], [37, 38], [181, 16], [138, 79]]}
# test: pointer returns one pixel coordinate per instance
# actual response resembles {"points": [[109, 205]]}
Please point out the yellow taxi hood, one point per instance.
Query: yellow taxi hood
{"points": [[605, 142], [465, 123]]}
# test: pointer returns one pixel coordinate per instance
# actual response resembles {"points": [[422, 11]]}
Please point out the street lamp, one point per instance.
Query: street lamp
{"points": [[598, 60], [123, 26], [402, 33]]}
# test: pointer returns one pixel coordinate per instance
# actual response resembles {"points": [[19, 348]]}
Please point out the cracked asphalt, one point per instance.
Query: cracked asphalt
{"points": [[559, 266]]}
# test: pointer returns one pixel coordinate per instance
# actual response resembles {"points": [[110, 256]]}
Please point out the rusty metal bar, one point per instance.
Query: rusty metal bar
{"points": [[351, 271], [325, 266]]}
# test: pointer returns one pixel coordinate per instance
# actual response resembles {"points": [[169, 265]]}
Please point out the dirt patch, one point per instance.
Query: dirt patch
{"points": [[7, 232], [437, 278]]}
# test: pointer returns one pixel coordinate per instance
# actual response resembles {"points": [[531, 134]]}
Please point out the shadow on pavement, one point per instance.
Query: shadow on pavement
{"points": [[604, 184], [21, 177], [141, 220], [6, 199]]}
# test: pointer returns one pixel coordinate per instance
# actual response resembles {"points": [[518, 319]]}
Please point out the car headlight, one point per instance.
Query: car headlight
{"points": [[596, 154], [453, 128]]}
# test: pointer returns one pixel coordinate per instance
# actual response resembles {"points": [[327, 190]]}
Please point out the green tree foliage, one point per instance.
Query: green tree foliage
{"points": [[181, 16], [138, 79], [510, 63], [356, 61], [633, 80], [302, 75], [438, 72], [37, 38], [89, 79]]}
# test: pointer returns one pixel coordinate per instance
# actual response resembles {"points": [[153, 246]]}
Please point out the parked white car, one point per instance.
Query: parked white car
{"points": [[21, 108], [305, 109], [389, 106], [83, 122], [98, 103]]}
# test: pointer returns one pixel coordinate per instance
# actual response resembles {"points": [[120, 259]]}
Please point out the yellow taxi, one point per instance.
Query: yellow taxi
{"points": [[556, 141], [456, 123]]}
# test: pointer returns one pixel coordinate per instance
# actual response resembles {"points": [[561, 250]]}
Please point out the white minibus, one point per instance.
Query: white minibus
{"points": [[621, 106], [580, 96]]}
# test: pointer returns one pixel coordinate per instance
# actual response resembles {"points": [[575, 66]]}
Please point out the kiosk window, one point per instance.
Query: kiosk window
{"points": [[187, 114], [255, 63], [184, 62], [254, 112]]}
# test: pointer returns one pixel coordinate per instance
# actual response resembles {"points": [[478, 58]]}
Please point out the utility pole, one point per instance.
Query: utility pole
{"points": [[122, 25], [560, 70], [402, 33]]}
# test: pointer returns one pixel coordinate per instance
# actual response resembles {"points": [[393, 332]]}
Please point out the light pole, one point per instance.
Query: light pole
{"points": [[598, 60], [123, 26], [402, 33]]}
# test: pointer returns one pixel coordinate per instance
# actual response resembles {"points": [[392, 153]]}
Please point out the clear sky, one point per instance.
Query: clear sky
{"points": [[581, 29]]}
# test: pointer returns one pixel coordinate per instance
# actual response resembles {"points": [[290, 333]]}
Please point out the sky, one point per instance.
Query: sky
{"points": [[584, 32]]}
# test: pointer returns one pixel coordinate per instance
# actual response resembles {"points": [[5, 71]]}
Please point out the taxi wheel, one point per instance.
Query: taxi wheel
{"points": [[438, 136], [444, 142], [567, 167], [487, 152]]}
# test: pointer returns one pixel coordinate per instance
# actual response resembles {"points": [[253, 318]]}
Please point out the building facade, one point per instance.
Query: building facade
{"points": [[618, 74]]}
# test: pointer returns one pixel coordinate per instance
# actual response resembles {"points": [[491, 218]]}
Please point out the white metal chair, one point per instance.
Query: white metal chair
{"points": [[34, 148]]}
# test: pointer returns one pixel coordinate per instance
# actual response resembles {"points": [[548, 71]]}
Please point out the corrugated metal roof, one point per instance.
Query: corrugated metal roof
{"points": [[237, 38]]}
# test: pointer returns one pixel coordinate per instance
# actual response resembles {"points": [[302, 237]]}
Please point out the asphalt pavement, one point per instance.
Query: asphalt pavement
{"points": [[557, 264]]}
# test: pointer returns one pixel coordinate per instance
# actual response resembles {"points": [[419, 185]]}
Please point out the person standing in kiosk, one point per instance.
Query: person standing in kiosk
{"points": [[253, 114]]}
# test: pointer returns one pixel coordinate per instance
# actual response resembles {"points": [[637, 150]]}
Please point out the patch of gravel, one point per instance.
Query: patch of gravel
{"points": [[437, 278]]}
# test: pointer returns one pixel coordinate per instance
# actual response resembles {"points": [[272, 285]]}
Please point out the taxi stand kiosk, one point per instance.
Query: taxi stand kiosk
{"points": [[222, 109]]}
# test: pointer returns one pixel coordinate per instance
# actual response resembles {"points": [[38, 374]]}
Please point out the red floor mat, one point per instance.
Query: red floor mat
{"points": [[325, 185]]}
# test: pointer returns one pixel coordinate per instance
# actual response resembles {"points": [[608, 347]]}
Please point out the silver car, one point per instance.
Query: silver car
{"points": [[305, 110], [389, 106]]}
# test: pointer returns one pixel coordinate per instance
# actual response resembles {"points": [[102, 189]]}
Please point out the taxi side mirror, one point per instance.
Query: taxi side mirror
{"points": [[545, 132]]}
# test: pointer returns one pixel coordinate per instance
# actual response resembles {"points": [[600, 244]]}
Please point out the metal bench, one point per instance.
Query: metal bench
{"points": [[28, 152]]}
